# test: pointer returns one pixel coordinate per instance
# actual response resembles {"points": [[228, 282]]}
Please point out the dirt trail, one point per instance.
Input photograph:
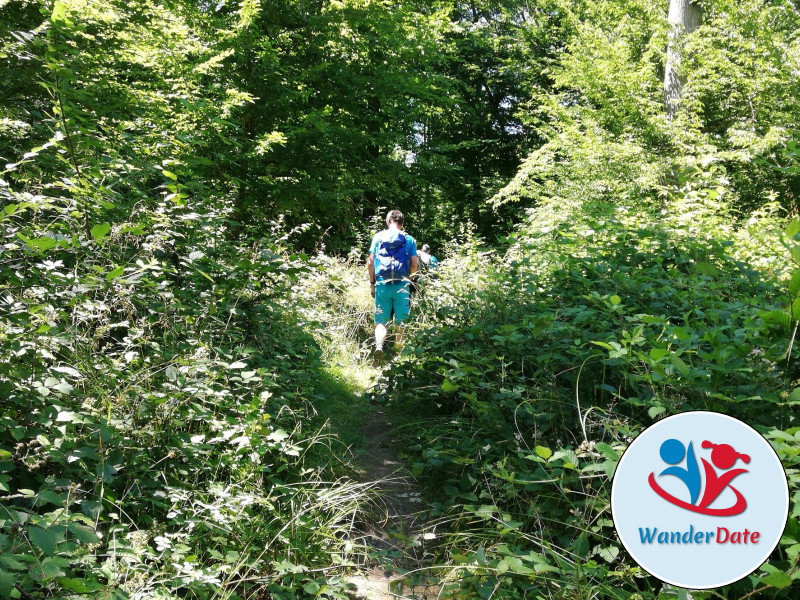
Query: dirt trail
{"points": [[395, 526]]}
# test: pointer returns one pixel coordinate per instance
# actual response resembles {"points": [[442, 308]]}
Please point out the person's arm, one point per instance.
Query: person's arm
{"points": [[414, 265], [371, 269]]}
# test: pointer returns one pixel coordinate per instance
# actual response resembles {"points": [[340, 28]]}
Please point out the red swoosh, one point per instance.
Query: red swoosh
{"points": [[737, 508]]}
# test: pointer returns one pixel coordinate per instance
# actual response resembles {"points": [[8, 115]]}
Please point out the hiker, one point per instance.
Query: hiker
{"points": [[392, 260], [426, 259]]}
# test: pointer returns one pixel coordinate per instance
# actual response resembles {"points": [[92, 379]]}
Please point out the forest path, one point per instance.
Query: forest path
{"points": [[394, 528]]}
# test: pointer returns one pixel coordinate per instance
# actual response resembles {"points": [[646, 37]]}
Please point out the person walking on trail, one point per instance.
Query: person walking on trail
{"points": [[392, 261], [427, 260]]}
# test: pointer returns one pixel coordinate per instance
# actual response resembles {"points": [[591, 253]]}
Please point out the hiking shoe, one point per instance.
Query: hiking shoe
{"points": [[377, 358]]}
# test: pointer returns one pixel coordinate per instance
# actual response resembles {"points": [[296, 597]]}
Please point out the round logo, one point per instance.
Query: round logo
{"points": [[699, 500]]}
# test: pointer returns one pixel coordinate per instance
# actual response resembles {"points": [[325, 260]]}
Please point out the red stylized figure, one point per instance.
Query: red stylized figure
{"points": [[724, 457]]}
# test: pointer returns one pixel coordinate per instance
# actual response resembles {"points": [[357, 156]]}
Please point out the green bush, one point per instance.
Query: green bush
{"points": [[157, 385], [535, 369]]}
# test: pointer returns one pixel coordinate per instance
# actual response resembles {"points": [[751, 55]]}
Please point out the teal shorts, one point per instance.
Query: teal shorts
{"points": [[392, 296]]}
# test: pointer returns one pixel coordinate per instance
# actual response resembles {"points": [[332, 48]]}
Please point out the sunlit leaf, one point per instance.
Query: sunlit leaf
{"points": [[101, 230]]}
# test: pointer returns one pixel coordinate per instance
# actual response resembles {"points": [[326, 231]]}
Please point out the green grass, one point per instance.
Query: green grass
{"points": [[343, 404]]}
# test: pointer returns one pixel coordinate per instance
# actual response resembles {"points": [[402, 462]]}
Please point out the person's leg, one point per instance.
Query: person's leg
{"points": [[402, 307], [380, 336], [383, 310]]}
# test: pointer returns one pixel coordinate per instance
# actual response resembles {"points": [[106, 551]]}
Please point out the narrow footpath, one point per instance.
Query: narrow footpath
{"points": [[394, 530]]}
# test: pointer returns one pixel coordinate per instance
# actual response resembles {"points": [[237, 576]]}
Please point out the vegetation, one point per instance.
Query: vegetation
{"points": [[187, 190]]}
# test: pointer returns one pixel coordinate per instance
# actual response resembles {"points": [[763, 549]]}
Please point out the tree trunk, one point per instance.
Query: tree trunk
{"points": [[684, 17]]}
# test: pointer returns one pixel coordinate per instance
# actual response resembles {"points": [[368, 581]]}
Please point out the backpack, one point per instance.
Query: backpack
{"points": [[424, 261], [393, 260]]}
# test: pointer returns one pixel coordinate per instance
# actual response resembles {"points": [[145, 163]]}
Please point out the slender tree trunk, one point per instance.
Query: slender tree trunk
{"points": [[684, 17]]}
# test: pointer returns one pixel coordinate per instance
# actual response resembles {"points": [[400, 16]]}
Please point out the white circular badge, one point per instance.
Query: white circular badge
{"points": [[699, 500]]}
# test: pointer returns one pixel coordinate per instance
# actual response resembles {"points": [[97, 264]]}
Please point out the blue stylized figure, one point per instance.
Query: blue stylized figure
{"points": [[672, 452]]}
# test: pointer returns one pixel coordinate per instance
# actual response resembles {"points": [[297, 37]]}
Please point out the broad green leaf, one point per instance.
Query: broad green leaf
{"points": [[63, 387], [615, 300], [705, 268], [448, 386], [609, 553], [47, 496], [68, 371], [793, 551], [793, 228], [170, 174], [59, 12], [609, 467], [572, 458], [794, 284], [84, 533], [278, 435], [654, 411], [75, 585], [101, 230], [42, 539], [54, 566], [114, 273], [681, 366], [7, 581], [43, 244], [311, 588], [606, 450], [10, 560], [545, 568], [543, 452], [779, 580], [777, 317], [513, 564], [658, 353]]}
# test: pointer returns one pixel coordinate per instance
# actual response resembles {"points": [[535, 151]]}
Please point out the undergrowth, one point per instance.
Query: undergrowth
{"points": [[160, 434], [530, 370]]}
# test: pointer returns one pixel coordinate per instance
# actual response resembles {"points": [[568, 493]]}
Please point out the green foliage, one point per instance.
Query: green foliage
{"points": [[535, 369], [172, 363], [154, 430]]}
